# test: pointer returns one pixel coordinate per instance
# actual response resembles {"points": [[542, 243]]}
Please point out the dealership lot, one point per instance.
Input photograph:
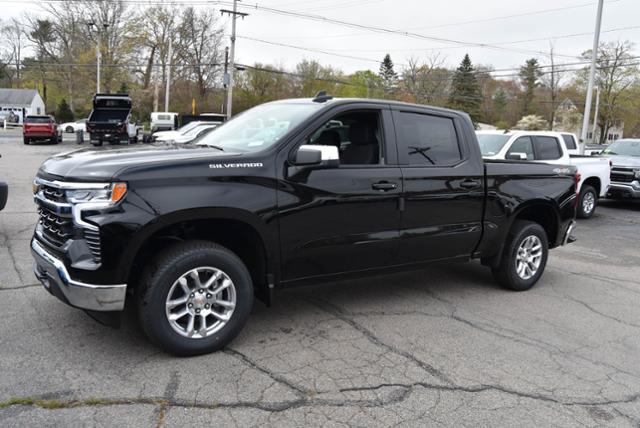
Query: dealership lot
{"points": [[437, 346]]}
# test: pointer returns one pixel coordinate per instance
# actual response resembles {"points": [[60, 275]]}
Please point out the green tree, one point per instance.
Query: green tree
{"points": [[63, 112], [530, 79], [388, 75], [465, 90], [499, 105]]}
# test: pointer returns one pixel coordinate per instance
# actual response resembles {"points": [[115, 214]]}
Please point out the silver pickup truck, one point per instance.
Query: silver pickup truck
{"points": [[625, 172]]}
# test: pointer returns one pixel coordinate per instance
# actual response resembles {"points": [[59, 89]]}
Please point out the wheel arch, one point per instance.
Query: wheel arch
{"points": [[594, 182], [240, 231]]}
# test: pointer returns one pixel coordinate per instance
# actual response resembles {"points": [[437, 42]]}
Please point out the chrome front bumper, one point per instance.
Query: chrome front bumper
{"points": [[55, 278], [624, 190]]}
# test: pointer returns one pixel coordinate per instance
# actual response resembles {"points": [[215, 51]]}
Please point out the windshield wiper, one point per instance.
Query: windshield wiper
{"points": [[213, 146]]}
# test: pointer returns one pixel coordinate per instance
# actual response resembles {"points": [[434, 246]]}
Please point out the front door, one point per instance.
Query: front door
{"points": [[343, 219]]}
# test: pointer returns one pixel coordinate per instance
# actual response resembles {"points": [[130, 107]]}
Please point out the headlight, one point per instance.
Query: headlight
{"points": [[636, 174], [110, 195]]}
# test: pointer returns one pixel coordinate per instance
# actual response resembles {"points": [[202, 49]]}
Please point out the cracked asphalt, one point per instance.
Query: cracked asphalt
{"points": [[442, 346]]}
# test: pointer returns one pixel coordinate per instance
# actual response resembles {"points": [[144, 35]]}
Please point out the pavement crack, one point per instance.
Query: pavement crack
{"points": [[300, 391], [12, 258], [602, 314], [340, 314]]}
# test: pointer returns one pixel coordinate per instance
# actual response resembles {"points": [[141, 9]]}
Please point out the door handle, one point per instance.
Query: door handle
{"points": [[384, 186], [470, 184]]}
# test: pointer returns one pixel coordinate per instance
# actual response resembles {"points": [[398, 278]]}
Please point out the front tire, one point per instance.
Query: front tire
{"points": [[588, 200], [69, 130], [195, 298], [524, 258]]}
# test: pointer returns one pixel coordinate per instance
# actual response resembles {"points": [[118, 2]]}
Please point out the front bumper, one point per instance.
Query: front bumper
{"points": [[53, 275], [624, 190]]}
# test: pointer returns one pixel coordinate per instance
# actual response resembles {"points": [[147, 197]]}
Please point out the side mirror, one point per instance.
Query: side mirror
{"points": [[310, 157], [517, 156], [317, 156]]}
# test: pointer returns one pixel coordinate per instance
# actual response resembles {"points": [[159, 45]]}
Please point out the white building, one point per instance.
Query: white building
{"points": [[22, 102], [568, 118]]}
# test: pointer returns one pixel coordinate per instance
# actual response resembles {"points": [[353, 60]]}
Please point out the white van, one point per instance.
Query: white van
{"points": [[163, 121]]}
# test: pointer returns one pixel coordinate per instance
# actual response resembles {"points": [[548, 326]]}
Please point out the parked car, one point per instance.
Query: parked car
{"points": [[625, 172], [40, 128], [9, 117], [71, 127], [172, 135], [551, 148], [190, 135], [110, 120], [163, 121], [276, 198]]}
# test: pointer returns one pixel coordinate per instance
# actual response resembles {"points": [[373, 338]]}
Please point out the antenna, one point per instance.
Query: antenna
{"points": [[322, 97]]}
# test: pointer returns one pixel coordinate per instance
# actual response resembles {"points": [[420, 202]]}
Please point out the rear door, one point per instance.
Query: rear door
{"points": [[443, 185], [547, 149], [342, 219]]}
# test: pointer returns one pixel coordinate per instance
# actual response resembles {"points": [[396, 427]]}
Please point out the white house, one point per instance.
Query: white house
{"points": [[568, 118], [22, 102]]}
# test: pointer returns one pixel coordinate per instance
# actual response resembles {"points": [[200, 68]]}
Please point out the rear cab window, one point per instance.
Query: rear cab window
{"points": [[547, 148], [569, 141], [427, 140]]}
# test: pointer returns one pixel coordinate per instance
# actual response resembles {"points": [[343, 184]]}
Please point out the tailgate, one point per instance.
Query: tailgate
{"points": [[38, 128]]}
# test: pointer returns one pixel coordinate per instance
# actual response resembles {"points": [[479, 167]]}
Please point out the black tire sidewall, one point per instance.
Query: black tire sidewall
{"points": [[508, 266], [152, 303], [583, 193], [69, 130]]}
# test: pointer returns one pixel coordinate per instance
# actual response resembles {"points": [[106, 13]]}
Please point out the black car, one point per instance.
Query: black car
{"points": [[288, 193]]}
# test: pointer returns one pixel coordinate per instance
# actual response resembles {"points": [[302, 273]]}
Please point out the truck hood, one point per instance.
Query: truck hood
{"points": [[622, 161], [105, 164]]}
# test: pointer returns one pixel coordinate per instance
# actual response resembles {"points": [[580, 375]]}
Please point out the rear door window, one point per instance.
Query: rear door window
{"points": [[569, 141], [547, 148], [427, 140], [522, 145]]}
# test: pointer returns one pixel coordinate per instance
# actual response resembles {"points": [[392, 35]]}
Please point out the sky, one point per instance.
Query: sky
{"points": [[448, 28]]}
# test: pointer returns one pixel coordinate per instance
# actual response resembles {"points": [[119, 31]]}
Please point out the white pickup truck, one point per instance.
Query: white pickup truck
{"points": [[551, 147]]}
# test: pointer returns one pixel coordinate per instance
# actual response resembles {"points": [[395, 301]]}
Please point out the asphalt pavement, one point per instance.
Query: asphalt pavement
{"points": [[442, 346]]}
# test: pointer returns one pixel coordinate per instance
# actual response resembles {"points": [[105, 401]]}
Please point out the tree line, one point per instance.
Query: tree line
{"points": [[55, 52]]}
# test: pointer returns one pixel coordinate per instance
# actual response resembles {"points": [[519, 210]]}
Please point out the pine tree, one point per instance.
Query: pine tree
{"points": [[530, 79], [499, 105], [388, 75], [64, 113], [465, 90], [124, 88]]}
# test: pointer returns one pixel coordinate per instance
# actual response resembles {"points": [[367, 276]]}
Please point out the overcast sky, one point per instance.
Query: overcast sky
{"points": [[494, 23]]}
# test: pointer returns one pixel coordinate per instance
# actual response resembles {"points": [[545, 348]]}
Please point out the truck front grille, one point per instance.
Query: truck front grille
{"points": [[56, 229], [54, 194], [622, 175]]}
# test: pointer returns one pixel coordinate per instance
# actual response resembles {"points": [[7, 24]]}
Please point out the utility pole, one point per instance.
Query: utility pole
{"points": [[90, 25], [592, 73], [225, 79], [166, 92], [234, 15], [595, 115]]}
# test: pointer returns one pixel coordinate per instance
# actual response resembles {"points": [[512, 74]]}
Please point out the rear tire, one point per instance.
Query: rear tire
{"points": [[164, 281], [69, 130], [25, 140], [587, 202], [524, 258]]}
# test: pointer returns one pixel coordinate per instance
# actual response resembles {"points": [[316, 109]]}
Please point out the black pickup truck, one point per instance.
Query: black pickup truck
{"points": [[288, 193], [110, 120]]}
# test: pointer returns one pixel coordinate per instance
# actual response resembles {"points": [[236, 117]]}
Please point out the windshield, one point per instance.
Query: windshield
{"points": [[260, 127], [624, 148], [490, 144], [188, 127]]}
